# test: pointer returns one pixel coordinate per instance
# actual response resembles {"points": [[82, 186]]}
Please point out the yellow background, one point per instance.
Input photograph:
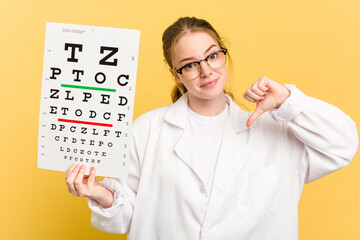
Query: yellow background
{"points": [[314, 44]]}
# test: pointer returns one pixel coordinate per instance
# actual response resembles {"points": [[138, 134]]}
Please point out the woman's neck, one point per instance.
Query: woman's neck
{"points": [[207, 107]]}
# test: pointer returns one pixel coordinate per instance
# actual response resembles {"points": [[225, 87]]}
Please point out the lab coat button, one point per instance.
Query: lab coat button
{"points": [[202, 189]]}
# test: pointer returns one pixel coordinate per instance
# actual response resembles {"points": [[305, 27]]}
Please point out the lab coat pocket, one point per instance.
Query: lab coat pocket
{"points": [[257, 195]]}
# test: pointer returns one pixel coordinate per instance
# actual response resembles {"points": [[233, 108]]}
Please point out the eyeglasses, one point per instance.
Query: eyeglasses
{"points": [[215, 60]]}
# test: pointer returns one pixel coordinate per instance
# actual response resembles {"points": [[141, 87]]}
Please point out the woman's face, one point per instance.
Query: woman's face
{"points": [[210, 84]]}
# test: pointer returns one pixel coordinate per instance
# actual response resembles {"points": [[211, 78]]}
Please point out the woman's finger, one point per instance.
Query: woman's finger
{"points": [[249, 99], [69, 170], [92, 177], [257, 112], [70, 180], [253, 96], [72, 175], [78, 182], [256, 89], [262, 83]]}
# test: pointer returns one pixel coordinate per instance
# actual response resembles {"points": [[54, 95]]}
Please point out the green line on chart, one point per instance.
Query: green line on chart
{"points": [[89, 88]]}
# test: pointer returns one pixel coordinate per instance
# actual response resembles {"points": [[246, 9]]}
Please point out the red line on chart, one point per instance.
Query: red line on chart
{"points": [[83, 122]]}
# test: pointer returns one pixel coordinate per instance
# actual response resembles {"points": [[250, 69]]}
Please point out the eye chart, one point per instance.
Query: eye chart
{"points": [[87, 98]]}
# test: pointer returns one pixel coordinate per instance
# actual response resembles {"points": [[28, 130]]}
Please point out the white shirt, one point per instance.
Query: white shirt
{"points": [[206, 140], [258, 178]]}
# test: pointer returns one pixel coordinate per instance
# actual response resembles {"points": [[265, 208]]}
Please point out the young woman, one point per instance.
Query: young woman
{"points": [[202, 168]]}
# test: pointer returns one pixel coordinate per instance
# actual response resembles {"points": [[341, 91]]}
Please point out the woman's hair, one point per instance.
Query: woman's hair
{"points": [[173, 33]]}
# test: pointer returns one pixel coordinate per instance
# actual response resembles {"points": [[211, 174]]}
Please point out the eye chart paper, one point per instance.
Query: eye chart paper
{"points": [[87, 98]]}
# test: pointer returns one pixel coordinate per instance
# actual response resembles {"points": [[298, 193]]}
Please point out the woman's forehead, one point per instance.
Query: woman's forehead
{"points": [[193, 45]]}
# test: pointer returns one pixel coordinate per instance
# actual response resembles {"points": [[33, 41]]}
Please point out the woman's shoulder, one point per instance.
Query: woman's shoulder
{"points": [[152, 116], [173, 114]]}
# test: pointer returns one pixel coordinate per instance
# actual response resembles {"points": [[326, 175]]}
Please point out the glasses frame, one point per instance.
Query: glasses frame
{"points": [[224, 50]]}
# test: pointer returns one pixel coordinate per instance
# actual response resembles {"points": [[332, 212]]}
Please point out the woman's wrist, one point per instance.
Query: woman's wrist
{"points": [[104, 197], [285, 96]]}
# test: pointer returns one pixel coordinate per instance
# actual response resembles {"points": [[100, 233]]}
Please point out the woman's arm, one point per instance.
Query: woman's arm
{"points": [[320, 138], [111, 201]]}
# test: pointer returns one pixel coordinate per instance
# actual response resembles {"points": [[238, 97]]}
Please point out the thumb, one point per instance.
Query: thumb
{"points": [[92, 177], [257, 112]]}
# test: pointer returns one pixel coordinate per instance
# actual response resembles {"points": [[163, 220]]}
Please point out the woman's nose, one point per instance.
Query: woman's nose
{"points": [[205, 69]]}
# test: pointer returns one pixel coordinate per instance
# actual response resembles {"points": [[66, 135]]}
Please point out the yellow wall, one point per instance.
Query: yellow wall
{"points": [[314, 44]]}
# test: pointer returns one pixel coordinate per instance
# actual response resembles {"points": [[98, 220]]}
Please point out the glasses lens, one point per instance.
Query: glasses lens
{"points": [[216, 60], [191, 71]]}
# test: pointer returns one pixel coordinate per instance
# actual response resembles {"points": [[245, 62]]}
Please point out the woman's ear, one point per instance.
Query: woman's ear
{"points": [[174, 73]]}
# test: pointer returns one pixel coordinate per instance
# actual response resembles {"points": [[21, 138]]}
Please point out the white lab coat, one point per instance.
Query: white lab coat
{"points": [[258, 178]]}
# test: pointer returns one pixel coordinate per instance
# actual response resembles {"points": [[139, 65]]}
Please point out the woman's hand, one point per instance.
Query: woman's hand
{"points": [[81, 185], [267, 94]]}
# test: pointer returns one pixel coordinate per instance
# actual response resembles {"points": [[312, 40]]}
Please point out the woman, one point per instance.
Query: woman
{"points": [[202, 168]]}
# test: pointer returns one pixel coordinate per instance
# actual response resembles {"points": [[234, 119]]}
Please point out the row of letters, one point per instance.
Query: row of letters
{"points": [[86, 130]]}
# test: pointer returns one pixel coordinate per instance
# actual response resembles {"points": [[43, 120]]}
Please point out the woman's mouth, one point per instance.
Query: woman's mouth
{"points": [[209, 84]]}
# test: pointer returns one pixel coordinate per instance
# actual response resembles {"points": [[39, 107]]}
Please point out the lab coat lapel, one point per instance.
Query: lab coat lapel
{"points": [[176, 116], [184, 149]]}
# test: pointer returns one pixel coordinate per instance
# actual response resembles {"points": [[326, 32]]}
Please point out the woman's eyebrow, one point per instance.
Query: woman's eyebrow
{"points": [[192, 58], [210, 48]]}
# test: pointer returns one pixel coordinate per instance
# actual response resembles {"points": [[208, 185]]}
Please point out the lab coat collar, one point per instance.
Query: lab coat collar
{"points": [[176, 115]]}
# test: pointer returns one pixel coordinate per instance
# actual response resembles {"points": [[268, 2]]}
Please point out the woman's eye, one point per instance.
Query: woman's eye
{"points": [[213, 56], [190, 66]]}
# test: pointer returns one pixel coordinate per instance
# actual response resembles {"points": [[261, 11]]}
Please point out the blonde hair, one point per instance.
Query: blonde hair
{"points": [[173, 33]]}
